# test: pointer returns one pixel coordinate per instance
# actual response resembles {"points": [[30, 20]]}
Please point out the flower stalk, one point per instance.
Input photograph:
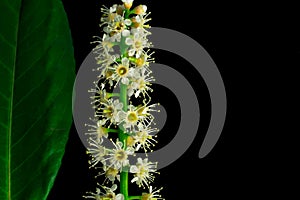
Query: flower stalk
{"points": [[123, 59], [123, 138]]}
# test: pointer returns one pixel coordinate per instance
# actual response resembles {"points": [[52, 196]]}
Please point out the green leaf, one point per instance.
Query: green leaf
{"points": [[36, 78]]}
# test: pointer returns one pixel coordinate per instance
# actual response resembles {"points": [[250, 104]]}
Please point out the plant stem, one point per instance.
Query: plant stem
{"points": [[134, 197], [113, 95], [123, 138], [112, 130]]}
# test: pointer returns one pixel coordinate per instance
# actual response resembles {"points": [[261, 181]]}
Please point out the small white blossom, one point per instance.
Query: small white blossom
{"points": [[122, 72], [118, 157], [127, 1], [152, 195], [144, 137], [143, 172], [97, 151], [109, 111], [108, 195], [141, 83], [138, 42], [97, 131]]}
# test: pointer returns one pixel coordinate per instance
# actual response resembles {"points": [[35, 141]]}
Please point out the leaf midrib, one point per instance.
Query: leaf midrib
{"points": [[10, 110]]}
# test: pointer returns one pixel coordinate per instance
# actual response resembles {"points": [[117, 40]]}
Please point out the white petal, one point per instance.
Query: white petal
{"points": [[139, 160], [120, 144], [135, 85], [133, 169], [138, 147], [125, 61], [125, 162], [120, 197], [130, 92], [119, 106], [136, 36], [131, 52], [130, 150], [137, 94], [114, 187], [125, 33], [125, 81], [113, 8], [138, 19], [138, 54], [145, 8], [127, 22], [134, 179], [128, 41]]}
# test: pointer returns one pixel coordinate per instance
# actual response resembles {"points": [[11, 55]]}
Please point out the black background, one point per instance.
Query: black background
{"points": [[247, 42]]}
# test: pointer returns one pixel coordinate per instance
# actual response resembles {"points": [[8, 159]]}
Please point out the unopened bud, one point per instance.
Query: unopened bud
{"points": [[127, 3], [140, 10]]}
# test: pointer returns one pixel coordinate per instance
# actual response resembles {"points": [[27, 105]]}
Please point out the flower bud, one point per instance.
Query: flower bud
{"points": [[140, 10], [135, 23], [130, 141], [127, 3], [120, 10]]}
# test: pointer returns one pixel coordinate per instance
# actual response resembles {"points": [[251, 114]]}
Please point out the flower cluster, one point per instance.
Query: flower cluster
{"points": [[123, 59]]}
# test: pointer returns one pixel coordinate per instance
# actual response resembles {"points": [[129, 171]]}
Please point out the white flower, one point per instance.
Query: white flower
{"points": [[143, 172], [109, 111], [108, 195], [108, 14], [111, 173], [118, 157], [131, 118], [144, 138], [145, 113], [122, 72], [98, 94], [97, 151], [140, 10], [97, 131], [117, 28], [125, 33], [127, 1], [104, 56], [140, 115], [137, 42], [141, 84], [140, 21], [152, 195]]}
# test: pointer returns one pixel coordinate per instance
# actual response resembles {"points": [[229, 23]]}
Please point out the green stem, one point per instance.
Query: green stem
{"points": [[123, 46], [127, 13], [113, 95], [112, 130], [134, 197], [123, 138]]}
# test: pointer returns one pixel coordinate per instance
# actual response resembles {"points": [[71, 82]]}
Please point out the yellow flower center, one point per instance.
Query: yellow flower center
{"points": [[138, 44], [109, 111], [111, 172], [130, 141], [143, 136], [119, 26], [132, 117], [120, 155], [122, 70], [140, 62], [101, 131]]}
